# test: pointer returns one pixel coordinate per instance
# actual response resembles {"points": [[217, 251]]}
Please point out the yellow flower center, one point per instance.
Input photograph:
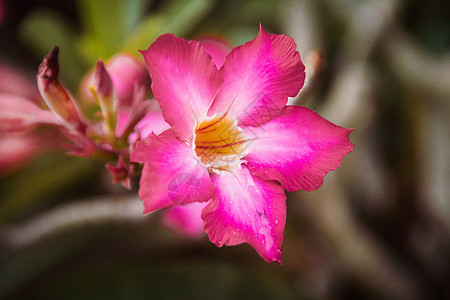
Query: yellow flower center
{"points": [[220, 143]]}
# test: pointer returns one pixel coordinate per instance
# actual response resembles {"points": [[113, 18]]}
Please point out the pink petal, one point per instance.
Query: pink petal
{"points": [[14, 82], [172, 174], [17, 114], [246, 209], [152, 122], [102, 82], [123, 119], [184, 81], [121, 172], [259, 76], [127, 73], [298, 148], [217, 47], [128, 118], [185, 219]]}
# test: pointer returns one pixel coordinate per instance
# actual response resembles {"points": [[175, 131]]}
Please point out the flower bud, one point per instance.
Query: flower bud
{"points": [[54, 93], [103, 89], [127, 74]]}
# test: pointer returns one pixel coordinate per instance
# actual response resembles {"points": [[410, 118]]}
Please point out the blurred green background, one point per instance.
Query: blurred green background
{"points": [[379, 227]]}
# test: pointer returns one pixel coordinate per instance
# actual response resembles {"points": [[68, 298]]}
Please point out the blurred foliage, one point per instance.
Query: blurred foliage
{"points": [[379, 226], [53, 173], [107, 28]]}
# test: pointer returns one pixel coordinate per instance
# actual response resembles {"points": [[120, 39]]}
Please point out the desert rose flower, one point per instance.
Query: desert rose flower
{"points": [[233, 141]]}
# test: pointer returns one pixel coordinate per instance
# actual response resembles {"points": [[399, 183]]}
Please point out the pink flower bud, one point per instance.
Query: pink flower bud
{"points": [[127, 74], [103, 88], [102, 81], [54, 93]]}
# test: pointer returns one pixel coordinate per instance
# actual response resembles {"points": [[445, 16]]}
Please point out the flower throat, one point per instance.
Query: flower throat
{"points": [[219, 143]]}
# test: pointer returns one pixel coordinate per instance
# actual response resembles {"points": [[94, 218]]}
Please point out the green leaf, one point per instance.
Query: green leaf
{"points": [[178, 17], [107, 24], [146, 33], [183, 15]]}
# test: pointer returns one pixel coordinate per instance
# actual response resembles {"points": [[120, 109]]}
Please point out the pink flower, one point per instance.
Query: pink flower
{"points": [[233, 142]]}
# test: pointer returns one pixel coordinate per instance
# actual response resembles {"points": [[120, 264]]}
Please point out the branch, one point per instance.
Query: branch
{"points": [[93, 211]]}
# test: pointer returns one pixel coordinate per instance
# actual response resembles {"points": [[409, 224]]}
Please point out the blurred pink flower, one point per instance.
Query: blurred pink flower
{"points": [[17, 149], [233, 143], [20, 114], [15, 82]]}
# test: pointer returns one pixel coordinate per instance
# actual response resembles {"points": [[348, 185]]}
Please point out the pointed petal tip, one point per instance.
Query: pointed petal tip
{"points": [[147, 210], [298, 163], [259, 222], [143, 51], [248, 93], [275, 258], [102, 81], [49, 68], [194, 81], [100, 64]]}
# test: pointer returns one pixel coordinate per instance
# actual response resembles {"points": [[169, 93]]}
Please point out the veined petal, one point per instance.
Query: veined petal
{"points": [[259, 76], [246, 209], [298, 148], [172, 174], [184, 81]]}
